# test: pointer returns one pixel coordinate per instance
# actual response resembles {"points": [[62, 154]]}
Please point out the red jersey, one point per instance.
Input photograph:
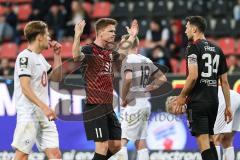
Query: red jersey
{"points": [[98, 74]]}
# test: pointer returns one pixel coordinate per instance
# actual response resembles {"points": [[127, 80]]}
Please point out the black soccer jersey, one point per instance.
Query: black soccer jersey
{"points": [[211, 64], [98, 75]]}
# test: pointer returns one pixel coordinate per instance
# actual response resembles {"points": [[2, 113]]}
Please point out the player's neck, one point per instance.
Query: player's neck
{"points": [[99, 43], [198, 37], [133, 51], [34, 48]]}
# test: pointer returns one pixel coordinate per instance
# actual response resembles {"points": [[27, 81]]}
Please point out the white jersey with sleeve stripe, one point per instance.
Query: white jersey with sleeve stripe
{"points": [[221, 125], [35, 66]]}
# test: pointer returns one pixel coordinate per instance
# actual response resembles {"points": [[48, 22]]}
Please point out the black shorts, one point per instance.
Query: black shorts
{"points": [[201, 118], [101, 123]]}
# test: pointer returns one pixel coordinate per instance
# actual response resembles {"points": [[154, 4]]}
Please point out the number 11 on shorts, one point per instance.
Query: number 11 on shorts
{"points": [[98, 132]]}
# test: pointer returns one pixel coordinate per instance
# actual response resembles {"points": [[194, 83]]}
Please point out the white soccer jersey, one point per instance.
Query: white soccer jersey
{"points": [[136, 114], [32, 125], [142, 69], [221, 125], [36, 67]]}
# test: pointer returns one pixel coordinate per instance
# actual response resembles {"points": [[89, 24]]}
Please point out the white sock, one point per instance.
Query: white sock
{"points": [[122, 154], [228, 154], [218, 148], [143, 154]]}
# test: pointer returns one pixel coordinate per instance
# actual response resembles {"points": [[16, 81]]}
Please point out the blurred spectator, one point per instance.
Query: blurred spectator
{"points": [[176, 42], [77, 14], [159, 56], [236, 11], [6, 31], [5, 68], [39, 9], [65, 7], [233, 64], [12, 20], [56, 20], [157, 35], [11, 17]]}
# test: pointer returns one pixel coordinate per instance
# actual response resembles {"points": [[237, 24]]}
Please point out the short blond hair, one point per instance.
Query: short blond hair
{"points": [[103, 23], [34, 28]]}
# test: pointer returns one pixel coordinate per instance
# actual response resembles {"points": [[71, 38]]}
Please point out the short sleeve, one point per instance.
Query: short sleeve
{"points": [[47, 65], [192, 54], [154, 68], [149, 35], [222, 68], [165, 34], [115, 56], [87, 50], [24, 66], [127, 65]]}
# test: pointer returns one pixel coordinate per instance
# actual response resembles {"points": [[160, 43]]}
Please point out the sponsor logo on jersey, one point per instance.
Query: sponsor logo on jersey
{"points": [[209, 82], [23, 62]]}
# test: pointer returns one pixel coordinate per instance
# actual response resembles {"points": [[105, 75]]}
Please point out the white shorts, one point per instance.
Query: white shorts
{"points": [[134, 120], [221, 125], [37, 130]]}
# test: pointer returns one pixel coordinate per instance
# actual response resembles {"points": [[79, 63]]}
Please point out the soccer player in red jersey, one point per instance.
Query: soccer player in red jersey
{"points": [[100, 121]]}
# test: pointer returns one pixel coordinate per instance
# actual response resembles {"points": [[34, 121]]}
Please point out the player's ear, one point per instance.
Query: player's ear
{"points": [[99, 33], [195, 29], [39, 37]]}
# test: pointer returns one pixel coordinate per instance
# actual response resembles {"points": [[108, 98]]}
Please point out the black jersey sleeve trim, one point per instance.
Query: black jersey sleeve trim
{"points": [[128, 70], [24, 75], [87, 50], [155, 71], [115, 56], [49, 71]]}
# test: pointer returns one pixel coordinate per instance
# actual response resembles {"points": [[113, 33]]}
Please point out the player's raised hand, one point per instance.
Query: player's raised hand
{"points": [[79, 27], [133, 31], [228, 114], [49, 113], [57, 47]]}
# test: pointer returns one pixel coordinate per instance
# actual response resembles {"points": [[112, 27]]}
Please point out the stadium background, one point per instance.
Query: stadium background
{"points": [[161, 39]]}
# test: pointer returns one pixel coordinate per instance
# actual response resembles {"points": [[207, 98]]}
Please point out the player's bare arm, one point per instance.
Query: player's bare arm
{"points": [[126, 87], [159, 79], [133, 32], [28, 92], [56, 74], [189, 84], [226, 93], [76, 48]]}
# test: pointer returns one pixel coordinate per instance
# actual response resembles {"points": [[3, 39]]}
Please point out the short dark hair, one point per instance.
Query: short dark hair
{"points": [[104, 22], [34, 28], [198, 21]]}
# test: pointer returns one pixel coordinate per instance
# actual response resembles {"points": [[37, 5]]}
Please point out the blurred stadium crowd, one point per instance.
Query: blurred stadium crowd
{"points": [[161, 27]]}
